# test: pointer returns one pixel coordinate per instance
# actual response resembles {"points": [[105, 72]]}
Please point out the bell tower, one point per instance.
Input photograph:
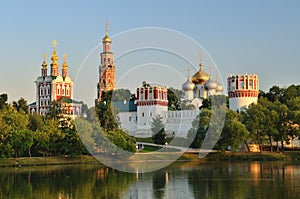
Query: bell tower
{"points": [[106, 68]]}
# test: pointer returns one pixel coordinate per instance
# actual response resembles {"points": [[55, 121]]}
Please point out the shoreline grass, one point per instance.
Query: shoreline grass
{"points": [[87, 159]]}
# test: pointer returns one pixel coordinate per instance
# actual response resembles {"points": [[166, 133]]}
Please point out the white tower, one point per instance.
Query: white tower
{"points": [[242, 90], [151, 101]]}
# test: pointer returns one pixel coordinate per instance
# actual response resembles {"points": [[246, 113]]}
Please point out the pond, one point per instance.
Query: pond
{"points": [[179, 180]]}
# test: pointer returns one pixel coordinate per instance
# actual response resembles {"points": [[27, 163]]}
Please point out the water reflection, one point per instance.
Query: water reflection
{"points": [[180, 180]]}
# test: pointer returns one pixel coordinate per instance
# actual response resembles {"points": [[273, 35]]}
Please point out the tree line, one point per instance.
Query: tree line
{"points": [[275, 118], [25, 135]]}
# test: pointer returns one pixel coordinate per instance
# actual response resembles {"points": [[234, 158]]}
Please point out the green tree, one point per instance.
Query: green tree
{"points": [[120, 95], [12, 123], [252, 118], [158, 130], [54, 110], [3, 101], [271, 118], [199, 128], [174, 98], [21, 105], [234, 132], [21, 141], [275, 94]]}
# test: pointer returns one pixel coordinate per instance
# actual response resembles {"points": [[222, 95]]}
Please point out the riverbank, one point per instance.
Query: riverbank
{"points": [[243, 156], [228, 156], [40, 161]]}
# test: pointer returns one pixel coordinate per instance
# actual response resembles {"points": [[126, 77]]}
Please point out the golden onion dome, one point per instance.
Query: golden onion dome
{"points": [[201, 76], [106, 39]]}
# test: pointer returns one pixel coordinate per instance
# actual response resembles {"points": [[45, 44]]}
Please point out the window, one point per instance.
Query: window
{"points": [[241, 85], [58, 91], [143, 114], [150, 114], [108, 60], [104, 60], [129, 118]]}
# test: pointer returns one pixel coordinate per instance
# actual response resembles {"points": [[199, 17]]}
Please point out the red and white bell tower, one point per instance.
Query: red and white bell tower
{"points": [[243, 90], [106, 68]]}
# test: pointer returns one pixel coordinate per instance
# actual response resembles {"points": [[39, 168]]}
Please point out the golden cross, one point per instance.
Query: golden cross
{"points": [[106, 29], [65, 57], [200, 56], [54, 44], [44, 56]]}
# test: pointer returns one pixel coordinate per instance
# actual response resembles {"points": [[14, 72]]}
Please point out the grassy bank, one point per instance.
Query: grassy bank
{"points": [[240, 156], [38, 161]]}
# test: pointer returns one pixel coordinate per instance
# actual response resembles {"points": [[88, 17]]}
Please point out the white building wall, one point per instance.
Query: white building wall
{"points": [[239, 103], [145, 115], [189, 95], [128, 122], [177, 123]]}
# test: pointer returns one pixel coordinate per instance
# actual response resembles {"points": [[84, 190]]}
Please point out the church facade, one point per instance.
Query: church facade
{"points": [[54, 86]]}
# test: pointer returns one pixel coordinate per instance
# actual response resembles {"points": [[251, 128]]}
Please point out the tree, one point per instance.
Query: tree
{"points": [[270, 120], [275, 94], [158, 130], [13, 127], [234, 132], [21, 141], [54, 110], [199, 128], [107, 115], [21, 105], [119, 95], [3, 101], [252, 118], [174, 98]]}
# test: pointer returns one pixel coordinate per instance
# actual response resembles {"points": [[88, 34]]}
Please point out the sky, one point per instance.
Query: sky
{"points": [[260, 37]]}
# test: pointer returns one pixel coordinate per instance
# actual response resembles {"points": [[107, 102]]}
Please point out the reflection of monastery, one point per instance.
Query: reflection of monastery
{"points": [[136, 116]]}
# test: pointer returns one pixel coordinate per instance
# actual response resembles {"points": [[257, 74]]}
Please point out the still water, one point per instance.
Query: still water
{"points": [[180, 180]]}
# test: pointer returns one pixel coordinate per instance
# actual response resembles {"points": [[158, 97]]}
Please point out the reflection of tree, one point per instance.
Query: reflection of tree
{"points": [[159, 183], [64, 182], [111, 183]]}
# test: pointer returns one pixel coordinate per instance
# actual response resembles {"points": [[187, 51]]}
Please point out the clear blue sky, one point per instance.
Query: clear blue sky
{"points": [[261, 37]]}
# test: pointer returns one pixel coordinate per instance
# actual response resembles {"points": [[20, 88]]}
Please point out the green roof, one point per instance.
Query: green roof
{"points": [[68, 100], [125, 107]]}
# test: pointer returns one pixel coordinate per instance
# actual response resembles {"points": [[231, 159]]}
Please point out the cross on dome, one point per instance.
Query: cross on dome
{"points": [[54, 44]]}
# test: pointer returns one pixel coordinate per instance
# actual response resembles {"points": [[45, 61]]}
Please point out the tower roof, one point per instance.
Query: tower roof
{"points": [[188, 85], [201, 76], [106, 38], [65, 62], [44, 65], [54, 56]]}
